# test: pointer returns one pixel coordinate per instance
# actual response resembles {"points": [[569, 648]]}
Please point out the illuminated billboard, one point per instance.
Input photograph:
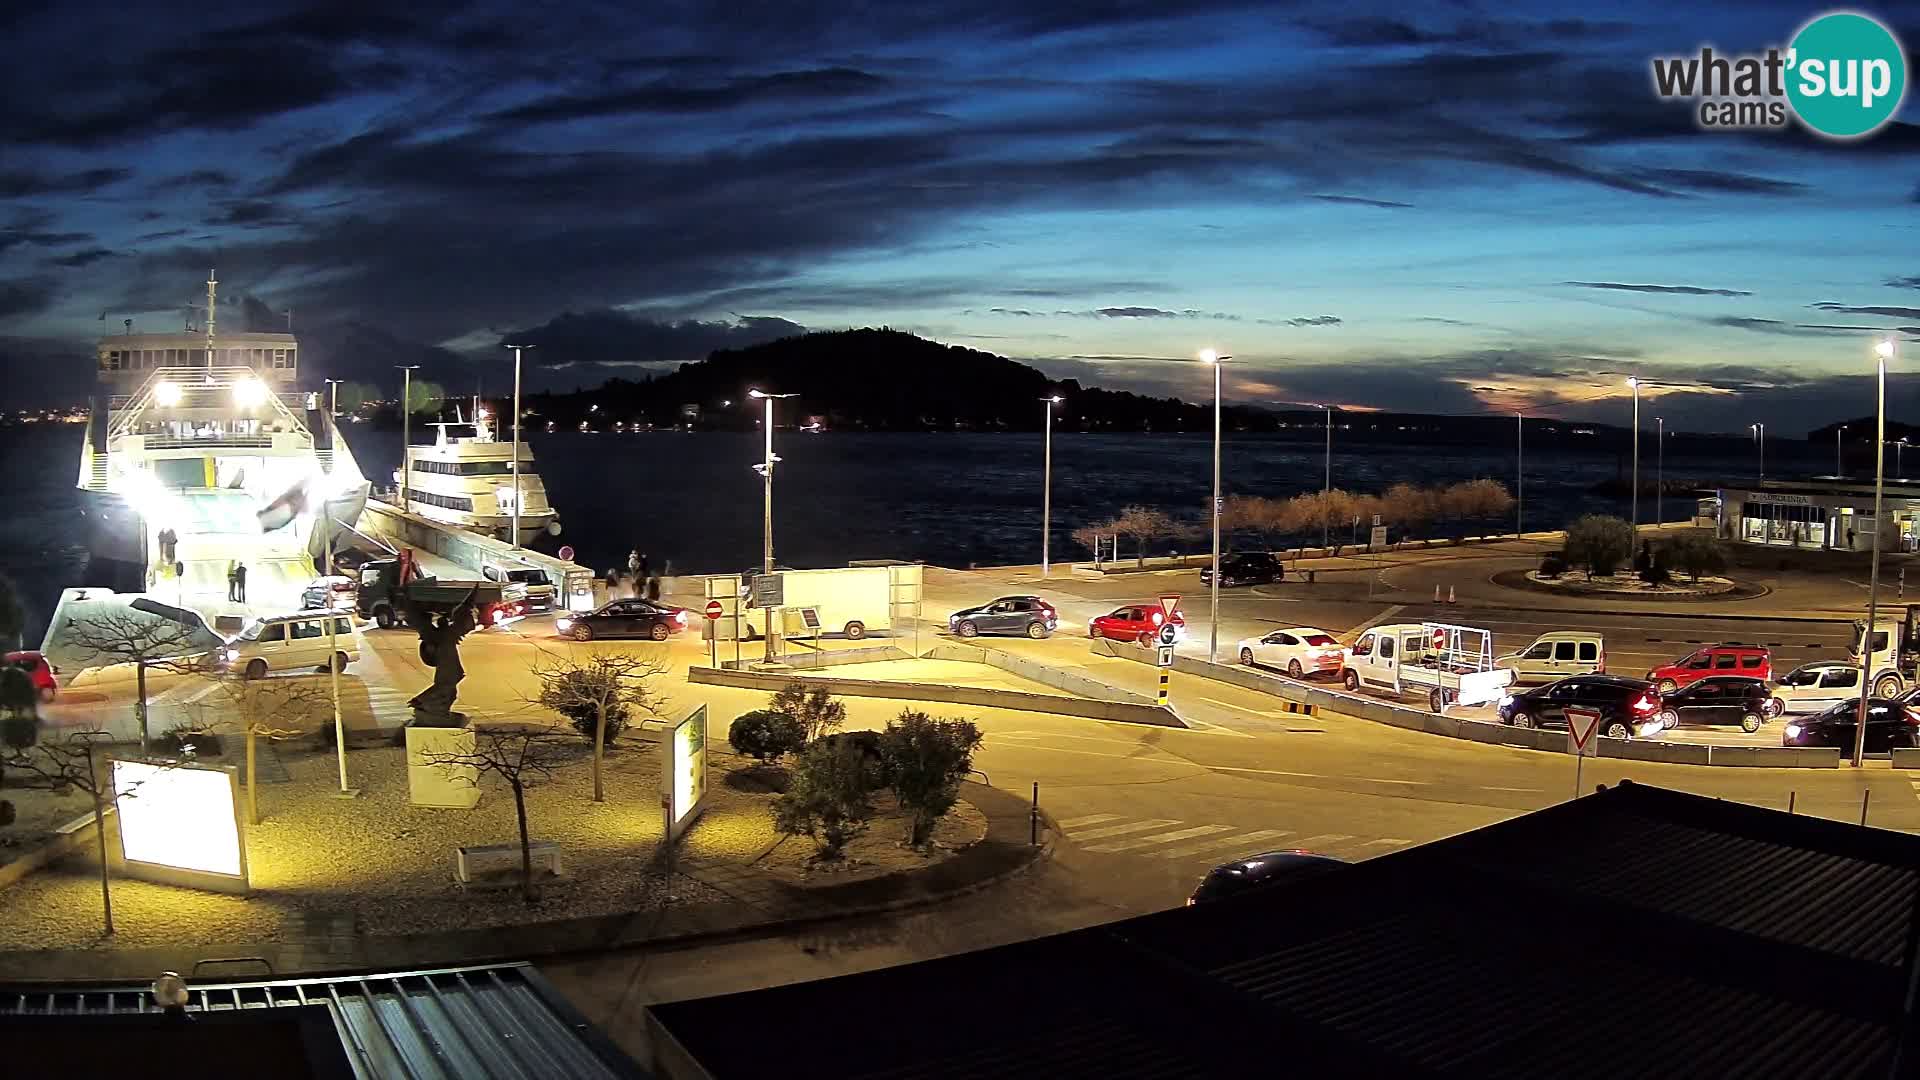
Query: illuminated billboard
{"points": [[180, 824], [683, 776]]}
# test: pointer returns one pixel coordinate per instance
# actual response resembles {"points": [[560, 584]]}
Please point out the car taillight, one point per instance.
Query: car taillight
{"points": [[1158, 618], [1644, 704], [1913, 718]]}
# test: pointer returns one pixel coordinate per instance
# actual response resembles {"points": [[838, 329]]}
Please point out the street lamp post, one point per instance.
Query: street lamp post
{"points": [[406, 432], [1046, 491], [1634, 382], [1899, 456], [1839, 466], [1660, 472], [766, 472], [1760, 440], [1214, 360], [1882, 352], [516, 441], [1519, 474], [1326, 490]]}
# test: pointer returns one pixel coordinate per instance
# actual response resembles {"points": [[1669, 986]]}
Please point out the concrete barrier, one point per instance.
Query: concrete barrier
{"points": [[65, 840], [1904, 759], [985, 697], [1640, 750], [1071, 682], [1787, 757], [827, 658]]}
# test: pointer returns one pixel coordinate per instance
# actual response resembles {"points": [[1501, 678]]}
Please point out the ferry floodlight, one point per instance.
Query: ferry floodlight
{"points": [[248, 393], [167, 394]]}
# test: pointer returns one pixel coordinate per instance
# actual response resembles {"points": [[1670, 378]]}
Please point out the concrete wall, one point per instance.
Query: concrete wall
{"points": [[1416, 719], [985, 697], [471, 550], [1033, 671]]}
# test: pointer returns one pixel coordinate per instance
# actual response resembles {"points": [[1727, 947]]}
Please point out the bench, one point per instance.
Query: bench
{"points": [[494, 860]]}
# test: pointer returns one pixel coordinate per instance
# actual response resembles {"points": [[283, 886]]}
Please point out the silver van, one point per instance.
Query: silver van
{"points": [[1556, 655]]}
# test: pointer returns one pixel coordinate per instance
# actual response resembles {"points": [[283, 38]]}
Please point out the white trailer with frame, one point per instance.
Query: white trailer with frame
{"points": [[1451, 664], [852, 601]]}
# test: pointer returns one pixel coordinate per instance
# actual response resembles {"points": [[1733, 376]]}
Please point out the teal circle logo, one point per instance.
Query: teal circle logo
{"points": [[1846, 75]]}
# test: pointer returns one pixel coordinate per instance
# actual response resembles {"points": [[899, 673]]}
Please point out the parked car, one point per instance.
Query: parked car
{"points": [[1557, 655], [1245, 568], [1027, 615], [1628, 708], [1719, 699], [333, 591], [37, 668], [539, 585], [293, 643], [1890, 725], [1136, 622], [1812, 688], [1300, 651], [1753, 661], [624, 618], [1260, 871]]}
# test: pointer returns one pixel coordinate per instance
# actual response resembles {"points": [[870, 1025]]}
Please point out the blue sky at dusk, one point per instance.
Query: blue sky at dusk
{"points": [[1451, 207]]}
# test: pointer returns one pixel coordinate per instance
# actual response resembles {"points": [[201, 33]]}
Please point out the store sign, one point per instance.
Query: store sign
{"points": [[180, 824], [683, 775], [1775, 497]]}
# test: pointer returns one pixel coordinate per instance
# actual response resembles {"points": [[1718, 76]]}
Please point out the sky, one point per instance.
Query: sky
{"points": [[1446, 207]]}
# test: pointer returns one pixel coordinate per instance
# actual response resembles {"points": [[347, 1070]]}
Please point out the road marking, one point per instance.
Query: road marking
{"points": [[1384, 615], [1248, 839], [1388, 841], [1326, 838], [1121, 830], [1090, 819], [1520, 790], [1163, 838]]}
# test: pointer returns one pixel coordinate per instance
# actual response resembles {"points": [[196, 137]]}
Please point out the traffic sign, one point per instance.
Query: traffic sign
{"points": [[566, 553], [1582, 726], [1168, 604], [714, 609], [1168, 635], [1378, 539], [1164, 656], [769, 590]]}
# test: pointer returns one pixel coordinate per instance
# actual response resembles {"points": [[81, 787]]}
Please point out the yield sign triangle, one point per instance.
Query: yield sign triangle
{"points": [[1581, 725], [1167, 604]]}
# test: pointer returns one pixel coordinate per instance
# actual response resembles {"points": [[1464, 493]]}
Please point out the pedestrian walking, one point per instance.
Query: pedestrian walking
{"points": [[240, 581], [233, 579], [1850, 546], [653, 589], [633, 562], [646, 569]]}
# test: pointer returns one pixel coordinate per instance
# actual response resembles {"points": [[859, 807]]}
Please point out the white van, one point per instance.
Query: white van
{"points": [[1556, 655], [293, 643], [1812, 688]]}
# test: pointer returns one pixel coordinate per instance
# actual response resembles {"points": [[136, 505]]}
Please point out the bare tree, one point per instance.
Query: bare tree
{"points": [[599, 695], [68, 765], [1089, 536], [146, 642], [1142, 525], [522, 756], [814, 710], [275, 709]]}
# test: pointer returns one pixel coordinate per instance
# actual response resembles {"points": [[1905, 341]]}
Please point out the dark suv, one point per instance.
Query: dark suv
{"points": [[1718, 699], [1027, 615], [1245, 568], [1890, 726], [1627, 707]]}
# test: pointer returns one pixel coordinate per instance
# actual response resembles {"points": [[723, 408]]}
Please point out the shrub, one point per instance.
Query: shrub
{"points": [[192, 740], [1696, 554], [766, 735], [815, 711], [1656, 573], [1553, 564], [926, 761], [580, 693], [827, 797], [869, 745], [17, 733], [1600, 543]]}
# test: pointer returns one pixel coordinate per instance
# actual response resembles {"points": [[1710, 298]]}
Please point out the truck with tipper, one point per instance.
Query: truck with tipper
{"points": [[1449, 664], [386, 586], [1894, 650]]}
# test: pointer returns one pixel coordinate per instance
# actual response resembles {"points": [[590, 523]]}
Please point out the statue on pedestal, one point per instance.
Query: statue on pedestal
{"points": [[440, 634]]}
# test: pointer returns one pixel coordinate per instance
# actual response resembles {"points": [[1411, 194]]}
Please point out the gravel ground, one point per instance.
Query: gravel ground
{"points": [[37, 814]]}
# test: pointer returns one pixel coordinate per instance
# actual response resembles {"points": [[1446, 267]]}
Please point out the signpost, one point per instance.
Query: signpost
{"points": [[714, 610], [1163, 654], [769, 590], [1583, 742], [1377, 539]]}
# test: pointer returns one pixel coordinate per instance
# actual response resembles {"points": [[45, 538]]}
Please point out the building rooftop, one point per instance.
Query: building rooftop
{"points": [[1637, 931]]}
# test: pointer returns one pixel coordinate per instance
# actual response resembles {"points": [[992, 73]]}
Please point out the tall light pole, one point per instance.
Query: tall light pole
{"points": [[1214, 360], [1660, 472], [1519, 473], [1899, 456], [766, 472], [1634, 382], [516, 441], [1760, 440], [1046, 491], [406, 432], [1839, 467], [1882, 352]]}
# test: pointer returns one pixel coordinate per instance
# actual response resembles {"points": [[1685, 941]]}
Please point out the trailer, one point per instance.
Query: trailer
{"points": [[1451, 664], [851, 602]]}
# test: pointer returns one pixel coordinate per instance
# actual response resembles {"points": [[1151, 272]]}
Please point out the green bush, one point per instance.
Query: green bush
{"points": [[765, 735], [827, 797], [869, 744], [926, 761], [1696, 554], [1554, 564], [816, 711], [577, 695], [17, 733], [1600, 543]]}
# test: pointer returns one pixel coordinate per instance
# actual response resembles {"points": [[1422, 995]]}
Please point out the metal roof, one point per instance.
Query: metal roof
{"points": [[498, 1023], [1633, 932]]}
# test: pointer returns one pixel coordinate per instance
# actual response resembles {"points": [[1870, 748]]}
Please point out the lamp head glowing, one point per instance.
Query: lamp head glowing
{"points": [[1054, 400], [1884, 347], [1633, 380], [167, 394], [248, 393], [1208, 356]]}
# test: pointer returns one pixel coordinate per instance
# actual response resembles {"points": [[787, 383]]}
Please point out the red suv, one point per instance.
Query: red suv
{"points": [[1752, 661], [1135, 622], [38, 670]]}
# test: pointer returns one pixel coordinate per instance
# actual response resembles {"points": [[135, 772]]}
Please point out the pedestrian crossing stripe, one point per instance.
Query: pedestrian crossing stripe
{"points": [[1120, 830], [1167, 838], [1162, 838]]}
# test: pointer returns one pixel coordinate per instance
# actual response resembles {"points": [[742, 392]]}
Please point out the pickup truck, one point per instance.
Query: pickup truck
{"points": [[1453, 664], [383, 581]]}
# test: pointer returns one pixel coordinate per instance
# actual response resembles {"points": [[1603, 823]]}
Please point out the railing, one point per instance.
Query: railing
{"points": [[243, 442], [195, 382]]}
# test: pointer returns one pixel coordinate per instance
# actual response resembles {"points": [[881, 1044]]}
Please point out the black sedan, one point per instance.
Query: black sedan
{"points": [[1259, 871], [1245, 568], [625, 618], [1890, 725], [1627, 707], [1027, 615], [1718, 699]]}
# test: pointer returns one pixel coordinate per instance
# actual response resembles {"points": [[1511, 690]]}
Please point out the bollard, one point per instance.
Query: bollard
{"points": [[1436, 593], [1033, 818], [1863, 805], [1450, 594], [1790, 796]]}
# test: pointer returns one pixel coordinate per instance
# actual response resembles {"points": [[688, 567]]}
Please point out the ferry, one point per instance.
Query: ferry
{"points": [[466, 478]]}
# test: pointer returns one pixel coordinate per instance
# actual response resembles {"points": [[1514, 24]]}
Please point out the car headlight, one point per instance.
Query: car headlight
{"points": [[232, 655], [1793, 731], [562, 624], [1506, 700]]}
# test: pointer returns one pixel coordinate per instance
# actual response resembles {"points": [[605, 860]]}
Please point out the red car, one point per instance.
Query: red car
{"points": [[38, 669], [1135, 622], [1751, 661]]}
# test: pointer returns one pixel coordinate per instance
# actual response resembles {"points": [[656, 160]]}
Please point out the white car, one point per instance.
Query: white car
{"points": [[293, 643], [1299, 651], [1812, 688]]}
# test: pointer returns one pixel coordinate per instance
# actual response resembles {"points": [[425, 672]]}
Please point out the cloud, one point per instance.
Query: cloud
{"points": [[1315, 320], [24, 296], [1718, 181], [1903, 282], [1869, 309], [668, 96], [247, 212], [1757, 325], [617, 339], [83, 258], [1358, 200], [1685, 290], [24, 184]]}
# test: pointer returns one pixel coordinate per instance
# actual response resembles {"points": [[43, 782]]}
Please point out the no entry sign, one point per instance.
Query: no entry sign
{"points": [[714, 609]]}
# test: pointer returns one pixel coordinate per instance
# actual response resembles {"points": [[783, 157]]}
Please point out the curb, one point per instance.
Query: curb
{"points": [[1520, 582], [586, 935]]}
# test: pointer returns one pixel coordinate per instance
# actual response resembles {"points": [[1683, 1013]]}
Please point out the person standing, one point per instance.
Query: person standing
{"points": [[233, 579], [653, 589], [646, 570], [240, 581], [633, 563]]}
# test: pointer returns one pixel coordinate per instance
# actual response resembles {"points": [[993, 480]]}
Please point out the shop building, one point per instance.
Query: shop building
{"points": [[1819, 514]]}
